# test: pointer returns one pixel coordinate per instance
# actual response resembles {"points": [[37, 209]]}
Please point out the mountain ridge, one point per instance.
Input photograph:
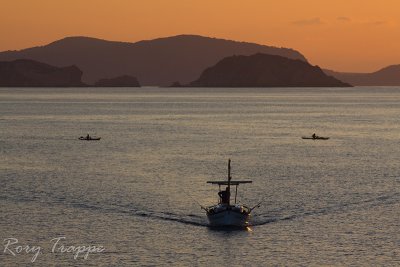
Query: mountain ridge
{"points": [[386, 76], [159, 61]]}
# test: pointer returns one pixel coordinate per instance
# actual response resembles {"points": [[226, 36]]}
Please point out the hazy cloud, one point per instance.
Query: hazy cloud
{"points": [[374, 23], [308, 22], [378, 23], [344, 19]]}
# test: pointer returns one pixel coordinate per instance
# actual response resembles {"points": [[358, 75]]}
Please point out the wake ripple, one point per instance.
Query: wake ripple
{"points": [[190, 219], [263, 219], [200, 221]]}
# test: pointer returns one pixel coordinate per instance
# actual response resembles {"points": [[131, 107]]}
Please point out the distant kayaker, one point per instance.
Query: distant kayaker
{"points": [[87, 137], [314, 136]]}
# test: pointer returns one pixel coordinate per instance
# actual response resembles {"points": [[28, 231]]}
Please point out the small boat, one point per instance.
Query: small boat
{"points": [[89, 138], [315, 137], [226, 213]]}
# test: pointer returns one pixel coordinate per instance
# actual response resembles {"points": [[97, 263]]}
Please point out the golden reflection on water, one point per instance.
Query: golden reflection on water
{"points": [[332, 203]]}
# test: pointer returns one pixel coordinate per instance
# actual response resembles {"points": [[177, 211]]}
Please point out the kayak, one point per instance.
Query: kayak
{"points": [[90, 138], [315, 138]]}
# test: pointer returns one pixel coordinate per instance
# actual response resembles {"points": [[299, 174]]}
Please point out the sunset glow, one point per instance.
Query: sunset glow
{"points": [[344, 35]]}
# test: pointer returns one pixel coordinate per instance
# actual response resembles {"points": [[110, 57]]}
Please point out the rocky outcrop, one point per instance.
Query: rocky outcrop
{"points": [[121, 81], [29, 73], [261, 70], [176, 84]]}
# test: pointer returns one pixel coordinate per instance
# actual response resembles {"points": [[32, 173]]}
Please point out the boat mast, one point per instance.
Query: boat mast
{"points": [[229, 182]]}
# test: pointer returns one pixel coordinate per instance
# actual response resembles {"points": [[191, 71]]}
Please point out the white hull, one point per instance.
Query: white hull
{"points": [[228, 218]]}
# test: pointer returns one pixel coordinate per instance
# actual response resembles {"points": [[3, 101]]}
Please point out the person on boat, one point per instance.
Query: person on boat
{"points": [[87, 137], [224, 196], [314, 136]]}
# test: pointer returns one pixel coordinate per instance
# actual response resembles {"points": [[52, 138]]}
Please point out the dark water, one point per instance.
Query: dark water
{"points": [[334, 202]]}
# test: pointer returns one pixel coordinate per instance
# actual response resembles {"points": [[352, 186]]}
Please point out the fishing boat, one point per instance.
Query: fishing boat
{"points": [[226, 213]]}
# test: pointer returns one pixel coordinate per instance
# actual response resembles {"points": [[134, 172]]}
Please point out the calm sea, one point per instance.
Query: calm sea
{"points": [[134, 192]]}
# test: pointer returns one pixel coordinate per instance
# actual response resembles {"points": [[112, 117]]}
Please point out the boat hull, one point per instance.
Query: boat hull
{"points": [[228, 218], [90, 139], [315, 138]]}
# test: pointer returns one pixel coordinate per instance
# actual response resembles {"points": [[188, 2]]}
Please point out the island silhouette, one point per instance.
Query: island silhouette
{"points": [[262, 70], [120, 81], [170, 61], [30, 73], [157, 62]]}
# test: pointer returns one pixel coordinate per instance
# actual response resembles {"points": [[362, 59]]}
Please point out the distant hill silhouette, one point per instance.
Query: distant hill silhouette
{"points": [[120, 81], [262, 70], [389, 76], [155, 62], [29, 73]]}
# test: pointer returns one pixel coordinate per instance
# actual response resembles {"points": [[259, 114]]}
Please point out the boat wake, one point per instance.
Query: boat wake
{"points": [[126, 210], [190, 219], [266, 218], [199, 220]]}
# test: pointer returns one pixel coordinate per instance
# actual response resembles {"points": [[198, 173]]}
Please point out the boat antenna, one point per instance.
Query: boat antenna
{"points": [[198, 203], [258, 204]]}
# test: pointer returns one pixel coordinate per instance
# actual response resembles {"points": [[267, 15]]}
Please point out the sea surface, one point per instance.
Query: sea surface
{"points": [[137, 191]]}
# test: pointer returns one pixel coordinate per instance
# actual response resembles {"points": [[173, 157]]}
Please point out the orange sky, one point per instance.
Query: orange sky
{"points": [[346, 35]]}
